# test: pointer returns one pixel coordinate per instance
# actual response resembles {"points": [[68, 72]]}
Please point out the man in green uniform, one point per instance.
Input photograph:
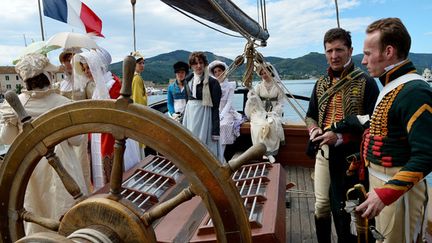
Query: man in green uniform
{"points": [[398, 147]]}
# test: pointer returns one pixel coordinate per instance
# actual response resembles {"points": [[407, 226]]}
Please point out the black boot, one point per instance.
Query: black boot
{"points": [[323, 229]]}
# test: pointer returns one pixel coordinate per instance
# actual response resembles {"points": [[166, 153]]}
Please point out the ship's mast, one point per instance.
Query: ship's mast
{"points": [[133, 23], [337, 13], [40, 20]]}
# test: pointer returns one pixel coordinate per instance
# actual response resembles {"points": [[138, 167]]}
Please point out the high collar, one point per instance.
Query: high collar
{"points": [[180, 81], [338, 74], [405, 67]]}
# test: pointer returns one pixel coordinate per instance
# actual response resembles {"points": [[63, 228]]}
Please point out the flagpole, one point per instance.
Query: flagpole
{"points": [[40, 19], [25, 40], [133, 20]]}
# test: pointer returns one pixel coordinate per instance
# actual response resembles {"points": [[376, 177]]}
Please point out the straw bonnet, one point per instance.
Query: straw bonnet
{"points": [[32, 65], [72, 50], [138, 56]]}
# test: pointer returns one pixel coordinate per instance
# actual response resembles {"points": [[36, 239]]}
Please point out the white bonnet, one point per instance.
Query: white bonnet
{"points": [[84, 57], [216, 63], [32, 65], [105, 57]]}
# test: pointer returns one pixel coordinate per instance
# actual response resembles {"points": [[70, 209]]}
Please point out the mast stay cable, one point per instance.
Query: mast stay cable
{"points": [[201, 22], [250, 53]]}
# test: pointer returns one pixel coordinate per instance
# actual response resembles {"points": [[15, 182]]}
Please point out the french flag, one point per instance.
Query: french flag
{"points": [[75, 13]]}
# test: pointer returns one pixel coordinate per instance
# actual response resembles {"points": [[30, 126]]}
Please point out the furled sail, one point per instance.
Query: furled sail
{"points": [[224, 13]]}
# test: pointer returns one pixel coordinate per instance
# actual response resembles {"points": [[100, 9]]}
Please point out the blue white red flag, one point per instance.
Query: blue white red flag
{"points": [[75, 13]]}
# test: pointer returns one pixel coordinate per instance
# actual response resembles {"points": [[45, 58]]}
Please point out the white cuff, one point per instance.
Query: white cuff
{"points": [[339, 139]]}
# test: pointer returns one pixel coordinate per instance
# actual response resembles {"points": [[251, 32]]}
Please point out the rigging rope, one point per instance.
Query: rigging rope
{"points": [[286, 91], [230, 21], [261, 7], [258, 10], [195, 19], [250, 56], [238, 61], [253, 59], [233, 23], [250, 53], [282, 87]]}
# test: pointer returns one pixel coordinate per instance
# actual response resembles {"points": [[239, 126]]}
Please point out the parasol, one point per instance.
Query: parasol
{"points": [[72, 40], [40, 47]]}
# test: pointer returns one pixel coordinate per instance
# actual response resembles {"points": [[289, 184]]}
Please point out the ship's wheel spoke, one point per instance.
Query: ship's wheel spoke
{"points": [[68, 181], [164, 208], [39, 220], [209, 180], [117, 168]]}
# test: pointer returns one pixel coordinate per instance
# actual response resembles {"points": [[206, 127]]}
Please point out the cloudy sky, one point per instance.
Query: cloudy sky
{"points": [[296, 27]]}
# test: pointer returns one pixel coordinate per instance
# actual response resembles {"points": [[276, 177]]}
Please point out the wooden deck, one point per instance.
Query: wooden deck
{"points": [[300, 200]]}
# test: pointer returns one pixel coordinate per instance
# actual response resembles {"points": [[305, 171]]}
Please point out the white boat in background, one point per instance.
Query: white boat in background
{"points": [[154, 91], [427, 74]]}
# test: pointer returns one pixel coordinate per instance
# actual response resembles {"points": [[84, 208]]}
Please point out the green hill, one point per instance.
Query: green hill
{"points": [[159, 68]]}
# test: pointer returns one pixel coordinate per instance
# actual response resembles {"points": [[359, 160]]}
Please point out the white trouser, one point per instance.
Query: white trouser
{"points": [[322, 183], [403, 220]]}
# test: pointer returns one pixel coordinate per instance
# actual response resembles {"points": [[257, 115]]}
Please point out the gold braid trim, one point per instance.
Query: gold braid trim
{"points": [[323, 84], [379, 120], [417, 114], [352, 97]]}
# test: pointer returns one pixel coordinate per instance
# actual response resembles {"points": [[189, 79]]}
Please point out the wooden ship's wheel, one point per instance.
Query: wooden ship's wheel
{"points": [[110, 217]]}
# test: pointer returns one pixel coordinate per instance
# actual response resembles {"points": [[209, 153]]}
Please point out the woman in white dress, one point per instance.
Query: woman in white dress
{"points": [[45, 195], [66, 87], [264, 109], [92, 66], [230, 119]]}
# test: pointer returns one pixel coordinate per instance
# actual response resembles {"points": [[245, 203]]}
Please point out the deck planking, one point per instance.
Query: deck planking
{"points": [[300, 223]]}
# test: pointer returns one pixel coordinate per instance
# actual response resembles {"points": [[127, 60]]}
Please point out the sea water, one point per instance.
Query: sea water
{"points": [[295, 87]]}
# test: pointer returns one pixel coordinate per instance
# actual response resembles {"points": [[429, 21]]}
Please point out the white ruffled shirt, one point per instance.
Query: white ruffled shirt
{"points": [[196, 80]]}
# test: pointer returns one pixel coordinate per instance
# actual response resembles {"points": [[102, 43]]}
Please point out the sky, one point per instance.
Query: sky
{"points": [[296, 27]]}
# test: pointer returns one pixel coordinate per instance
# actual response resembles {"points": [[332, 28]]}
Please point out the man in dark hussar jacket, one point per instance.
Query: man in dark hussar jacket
{"points": [[339, 107]]}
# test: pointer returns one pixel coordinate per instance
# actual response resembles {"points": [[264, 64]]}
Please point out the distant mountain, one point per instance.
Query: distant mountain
{"points": [[159, 68]]}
